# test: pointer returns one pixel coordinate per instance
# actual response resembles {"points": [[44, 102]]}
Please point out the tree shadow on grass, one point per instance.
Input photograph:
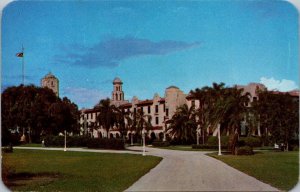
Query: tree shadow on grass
{"points": [[21, 179]]}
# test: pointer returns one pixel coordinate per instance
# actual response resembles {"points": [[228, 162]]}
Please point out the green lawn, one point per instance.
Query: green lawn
{"points": [[279, 169], [75, 171]]}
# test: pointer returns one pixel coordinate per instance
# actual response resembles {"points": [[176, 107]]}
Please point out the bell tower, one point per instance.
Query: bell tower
{"points": [[117, 93], [51, 82]]}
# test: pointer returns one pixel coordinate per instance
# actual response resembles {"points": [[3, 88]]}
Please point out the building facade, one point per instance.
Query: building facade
{"points": [[51, 82], [160, 109]]}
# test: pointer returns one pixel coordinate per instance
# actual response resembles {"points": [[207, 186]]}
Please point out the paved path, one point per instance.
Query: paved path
{"points": [[133, 151], [194, 171], [186, 171]]}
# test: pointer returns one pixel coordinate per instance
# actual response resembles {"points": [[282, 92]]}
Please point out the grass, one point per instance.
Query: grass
{"points": [[279, 169], [75, 171]]}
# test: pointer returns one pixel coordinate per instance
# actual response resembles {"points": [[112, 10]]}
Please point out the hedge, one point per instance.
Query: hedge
{"points": [[246, 150], [72, 141], [213, 140], [208, 146], [83, 141], [105, 143], [250, 141], [157, 143]]}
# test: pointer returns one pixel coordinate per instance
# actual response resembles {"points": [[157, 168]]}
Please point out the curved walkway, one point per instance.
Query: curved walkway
{"points": [[186, 171], [194, 171]]}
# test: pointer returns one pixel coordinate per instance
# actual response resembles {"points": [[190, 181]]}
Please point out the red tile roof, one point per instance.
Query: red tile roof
{"points": [[162, 100], [294, 93], [89, 110], [190, 97], [126, 105], [291, 93], [145, 102], [157, 128]]}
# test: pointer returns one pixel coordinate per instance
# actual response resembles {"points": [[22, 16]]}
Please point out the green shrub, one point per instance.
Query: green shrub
{"points": [[7, 149], [208, 147], [77, 141], [295, 148], [54, 141], [250, 141], [72, 141], [104, 143], [158, 143], [213, 140], [246, 150]]}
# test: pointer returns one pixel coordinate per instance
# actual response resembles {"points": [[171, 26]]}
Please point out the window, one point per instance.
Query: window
{"points": [[164, 107], [134, 111], [193, 103], [167, 112], [156, 120], [142, 109], [149, 119], [149, 109], [156, 108]]}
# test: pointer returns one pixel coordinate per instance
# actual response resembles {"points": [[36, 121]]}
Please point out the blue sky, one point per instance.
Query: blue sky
{"points": [[150, 45]]}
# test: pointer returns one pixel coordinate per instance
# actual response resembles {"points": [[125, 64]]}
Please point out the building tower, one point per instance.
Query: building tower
{"points": [[117, 93], [51, 82]]}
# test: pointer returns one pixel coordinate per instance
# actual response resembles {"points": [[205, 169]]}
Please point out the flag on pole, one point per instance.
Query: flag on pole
{"points": [[20, 54]]}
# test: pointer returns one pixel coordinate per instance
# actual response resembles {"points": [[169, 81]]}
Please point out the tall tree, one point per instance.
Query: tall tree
{"points": [[143, 121], [107, 115], [183, 124], [279, 115], [29, 108]]}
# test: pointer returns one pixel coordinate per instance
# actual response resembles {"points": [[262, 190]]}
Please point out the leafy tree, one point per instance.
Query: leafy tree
{"points": [[28, 108], [278, 115]]}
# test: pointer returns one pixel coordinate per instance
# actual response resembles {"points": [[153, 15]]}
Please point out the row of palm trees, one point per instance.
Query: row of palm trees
{"points": [[218, 105], [273, 115]]}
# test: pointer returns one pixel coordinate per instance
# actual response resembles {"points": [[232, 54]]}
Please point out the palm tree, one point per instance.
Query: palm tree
{"points": [[142, 121], [229, 109], [130, 124], [202, 112], [107, 116], [183, 124]]}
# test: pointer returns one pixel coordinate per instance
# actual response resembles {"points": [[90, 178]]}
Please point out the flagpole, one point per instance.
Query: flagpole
{"points": [[23, 66]]}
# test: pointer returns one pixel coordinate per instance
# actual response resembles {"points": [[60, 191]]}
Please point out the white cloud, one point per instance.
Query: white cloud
{"points": [[84, 97], [280, 85]]}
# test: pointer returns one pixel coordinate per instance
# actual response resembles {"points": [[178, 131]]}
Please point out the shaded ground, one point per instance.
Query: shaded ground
{"points": [[23, 179]]}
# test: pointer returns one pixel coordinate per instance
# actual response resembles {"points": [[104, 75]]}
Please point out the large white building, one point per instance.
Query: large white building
{"points": [[161, 109]]}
